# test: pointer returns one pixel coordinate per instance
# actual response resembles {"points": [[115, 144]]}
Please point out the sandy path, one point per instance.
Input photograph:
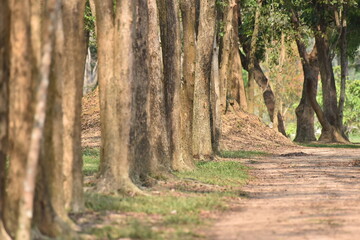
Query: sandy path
{"points": [[315, 197]]}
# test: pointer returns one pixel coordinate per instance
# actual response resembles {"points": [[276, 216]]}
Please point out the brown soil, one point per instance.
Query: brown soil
{"points": [[315, 195]]}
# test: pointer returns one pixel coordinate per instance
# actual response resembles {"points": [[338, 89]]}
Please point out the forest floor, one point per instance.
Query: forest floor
{"points": [[279, 191]]}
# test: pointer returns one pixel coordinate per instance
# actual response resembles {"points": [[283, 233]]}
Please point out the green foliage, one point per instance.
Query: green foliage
{"points": [[218, 173], [352, 105]]}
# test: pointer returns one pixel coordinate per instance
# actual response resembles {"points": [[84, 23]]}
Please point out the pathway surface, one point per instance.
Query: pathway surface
{"points": [[315, 196]]}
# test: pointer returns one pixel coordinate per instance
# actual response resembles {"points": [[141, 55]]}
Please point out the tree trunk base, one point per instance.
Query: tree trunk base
{"points": [[3, 234], [125, 187], [333, 135]]}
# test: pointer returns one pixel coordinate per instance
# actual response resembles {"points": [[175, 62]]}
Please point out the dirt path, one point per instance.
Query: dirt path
{"points": [[315, 196]]}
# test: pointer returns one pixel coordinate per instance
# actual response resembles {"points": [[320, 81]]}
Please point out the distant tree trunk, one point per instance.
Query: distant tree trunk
{"points": [[160, 160], [188, 14], [344, 65], [4, 103], [251, 58], [202, 146], [259, 76], [305, 131], [225, 62], [305, 112], [116, 60], [215, 100], [73, 75], [330, 106], [171, 50], [21, 87], [232, 83]]}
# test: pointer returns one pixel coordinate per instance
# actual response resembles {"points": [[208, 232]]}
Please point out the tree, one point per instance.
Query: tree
{"points": [[21, 84], [188, 14], [232, 83], [4, 101], [160, 159], [171, 51], [73, 63], [202, 146], [116, 31], [305, 112]]}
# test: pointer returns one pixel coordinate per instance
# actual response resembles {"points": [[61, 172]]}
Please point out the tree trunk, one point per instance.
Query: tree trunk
{"points": [[305, 112], [54, 181], [251, 58], [188, 14], [116, 60], [215, 99], [139, 133], [202, 146], [160, 160], [21, 86], [232, 83], [330, 106], [171, 51], [344, 66], [73, 75], [4, 103]]}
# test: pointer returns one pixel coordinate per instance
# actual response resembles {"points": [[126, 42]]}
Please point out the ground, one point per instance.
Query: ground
{"points": [[294, 192], [315, 195]]}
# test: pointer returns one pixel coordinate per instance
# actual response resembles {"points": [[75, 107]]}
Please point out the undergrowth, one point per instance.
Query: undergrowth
{"points": [[172, 214], [242, 154], [334, 145]]}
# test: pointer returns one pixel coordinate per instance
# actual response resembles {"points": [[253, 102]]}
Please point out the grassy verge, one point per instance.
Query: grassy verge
{"points": [[173, 212], [242, 154], [320, 145]]}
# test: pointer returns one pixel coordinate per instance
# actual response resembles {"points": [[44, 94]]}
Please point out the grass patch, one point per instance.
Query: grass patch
{"points": [[91, 158], [134, 229], [227, 173], [153, 204], [320, 145], [355, 138], [177, 215], [242, 154]]}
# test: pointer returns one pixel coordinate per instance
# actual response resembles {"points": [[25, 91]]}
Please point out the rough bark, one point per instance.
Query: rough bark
{"points": [[232, 84], [344, 66], [215, 99], [116, 59], [21, 86], [251, 58], [331, 111], [305, 131], [304, 112], [27, 197], [4, 101], [73, 62], [201, 125], [158, 136], [171, 51], [139, 133], [188, 15]]}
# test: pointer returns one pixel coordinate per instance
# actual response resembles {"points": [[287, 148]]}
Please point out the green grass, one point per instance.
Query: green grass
{"points": [[134, 230], [226, 173], [242, 154], [355, 138], [91, 157], [153, 204], [331, 145], [179, 213]]}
